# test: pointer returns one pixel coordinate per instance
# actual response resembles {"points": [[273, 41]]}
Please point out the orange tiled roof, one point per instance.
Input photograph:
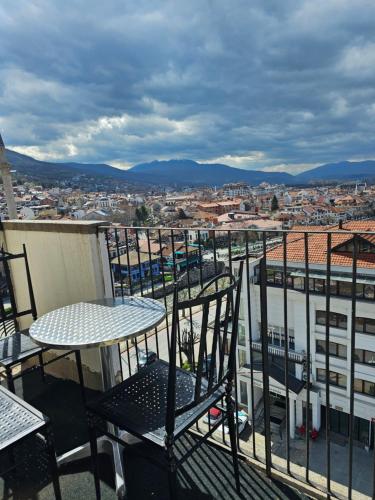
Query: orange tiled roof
{"points": [[317, 243]]}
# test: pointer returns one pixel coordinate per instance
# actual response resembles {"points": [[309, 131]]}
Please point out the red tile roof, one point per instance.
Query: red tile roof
{"points": [[317, 243]]}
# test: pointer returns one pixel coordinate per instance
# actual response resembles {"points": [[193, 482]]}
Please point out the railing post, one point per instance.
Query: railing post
{"points": [[265, 368]]}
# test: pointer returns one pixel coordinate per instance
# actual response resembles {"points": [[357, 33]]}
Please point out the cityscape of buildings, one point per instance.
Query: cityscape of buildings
{"points": [[187, 250], [153, 237]]}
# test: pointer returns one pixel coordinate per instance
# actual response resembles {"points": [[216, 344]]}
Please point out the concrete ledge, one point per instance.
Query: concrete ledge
{"points": [[63, 226], [292, 481]]}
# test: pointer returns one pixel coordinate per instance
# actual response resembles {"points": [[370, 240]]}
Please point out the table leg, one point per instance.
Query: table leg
{"points": [[111, 369]]}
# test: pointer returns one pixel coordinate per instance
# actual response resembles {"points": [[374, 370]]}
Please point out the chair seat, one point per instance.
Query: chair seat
{"points": [[18, 419], [16, 348], [139, 404]]}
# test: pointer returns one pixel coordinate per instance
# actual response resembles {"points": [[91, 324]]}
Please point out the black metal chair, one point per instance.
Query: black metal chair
{"points": [[161, 402], [19, 422], [16, 347]]}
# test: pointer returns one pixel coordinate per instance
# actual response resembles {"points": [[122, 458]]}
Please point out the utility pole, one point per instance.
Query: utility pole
{"points": [[7, 182]]}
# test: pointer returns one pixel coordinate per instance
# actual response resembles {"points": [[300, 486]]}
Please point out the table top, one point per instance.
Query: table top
{"points": [[18, 419], [98, 323]]}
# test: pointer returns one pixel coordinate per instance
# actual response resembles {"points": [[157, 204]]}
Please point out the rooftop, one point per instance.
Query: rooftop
{"points": [[317, 246], [134, 258]]}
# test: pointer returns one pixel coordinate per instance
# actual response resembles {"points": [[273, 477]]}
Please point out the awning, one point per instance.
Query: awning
{"points": [[295, 385]]}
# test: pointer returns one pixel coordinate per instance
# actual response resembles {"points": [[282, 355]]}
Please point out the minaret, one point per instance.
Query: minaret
{"points": [[7, 182]]}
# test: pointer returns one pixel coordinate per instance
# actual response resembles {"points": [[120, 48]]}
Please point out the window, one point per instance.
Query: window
{"points": [[270, 276], [369, 292], [365, 357], [369, 388], [320, 318], [299, 283], [333, 287], [242, 310], [241, 335], [341, 351], [276, 338], [337, 379], [345, 289], [359, 291], [336, 320], [241, 357], [292, 344], [243, 392], [278, 278], [275, 277], [337, 350], [320, 375], [364, 387], [316, 285], [365, 325]]}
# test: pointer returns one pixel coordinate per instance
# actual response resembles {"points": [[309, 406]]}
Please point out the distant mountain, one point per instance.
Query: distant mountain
{"points": [[181, 173], [189, 172], [344, 170], [27, 165]]}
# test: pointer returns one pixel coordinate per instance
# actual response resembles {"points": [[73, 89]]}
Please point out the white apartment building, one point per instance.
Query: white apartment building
{"points": [[193, 235], [339, 335], [235, 189]]}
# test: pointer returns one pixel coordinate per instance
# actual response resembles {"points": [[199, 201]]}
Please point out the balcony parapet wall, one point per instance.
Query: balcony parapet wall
{"points": [[68, 264]]}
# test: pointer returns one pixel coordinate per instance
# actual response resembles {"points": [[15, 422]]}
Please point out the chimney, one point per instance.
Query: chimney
{"points": [[340, 224], [7, 182]]}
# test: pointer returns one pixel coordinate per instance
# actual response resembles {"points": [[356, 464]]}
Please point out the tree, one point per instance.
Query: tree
{"points": [[181, 214], [189, 337], [274, 204], [247, 205], [141, 214]]}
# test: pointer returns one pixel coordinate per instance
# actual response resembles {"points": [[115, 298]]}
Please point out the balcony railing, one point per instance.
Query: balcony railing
{"points": [[296, 356], [305, 260], [273, 385]]}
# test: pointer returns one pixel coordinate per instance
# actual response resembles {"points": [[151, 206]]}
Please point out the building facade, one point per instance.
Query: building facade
{"points": [[340, 328]]}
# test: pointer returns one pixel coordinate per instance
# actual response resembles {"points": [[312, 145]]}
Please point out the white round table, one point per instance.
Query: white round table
{"points": [[102, 323]]}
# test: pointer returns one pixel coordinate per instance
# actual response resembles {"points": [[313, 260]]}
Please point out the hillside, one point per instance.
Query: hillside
{"points": [[180, 173], [26, 165], [190, 172], [341, 171]]}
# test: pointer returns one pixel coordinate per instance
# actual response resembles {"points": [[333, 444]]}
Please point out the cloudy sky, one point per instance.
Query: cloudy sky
{"points": [[267, 84]]}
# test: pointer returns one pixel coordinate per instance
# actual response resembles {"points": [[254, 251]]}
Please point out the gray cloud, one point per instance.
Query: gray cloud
{"points": [[275, 85]]}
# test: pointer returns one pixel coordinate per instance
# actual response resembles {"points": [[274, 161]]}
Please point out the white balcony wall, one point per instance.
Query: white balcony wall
{"points": [[68, 264]]}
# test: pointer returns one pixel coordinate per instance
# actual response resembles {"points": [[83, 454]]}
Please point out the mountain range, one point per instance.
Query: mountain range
{"points": [[182, 172]]}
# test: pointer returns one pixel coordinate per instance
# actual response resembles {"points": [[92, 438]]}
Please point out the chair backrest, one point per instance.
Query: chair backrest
{"points": [[9, 312], [216, 347]]}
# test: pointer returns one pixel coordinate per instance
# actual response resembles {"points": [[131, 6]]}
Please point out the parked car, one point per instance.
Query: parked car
{"points": [[213, 416], [242, 422], [146, 357], [216, 415]]}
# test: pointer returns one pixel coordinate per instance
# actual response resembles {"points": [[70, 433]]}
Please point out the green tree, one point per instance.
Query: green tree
{"points": [[141, 214], [189, 338], [181, 214], [274, 204]]}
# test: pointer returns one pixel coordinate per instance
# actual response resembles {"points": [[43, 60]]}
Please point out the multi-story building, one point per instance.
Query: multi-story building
{"points": [[221, 207], [340, 328], [236, 189]]}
